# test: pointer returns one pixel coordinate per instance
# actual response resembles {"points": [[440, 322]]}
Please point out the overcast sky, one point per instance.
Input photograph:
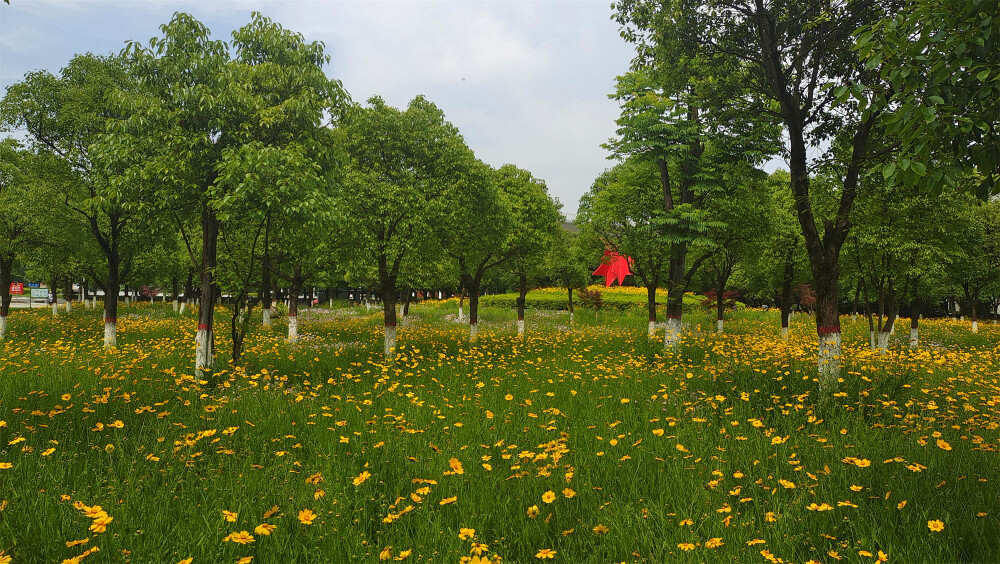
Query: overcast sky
{"points": [[526, 82]]}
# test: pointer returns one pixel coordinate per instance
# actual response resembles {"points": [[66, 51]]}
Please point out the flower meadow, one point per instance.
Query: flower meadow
{"points": [[582, 442]]}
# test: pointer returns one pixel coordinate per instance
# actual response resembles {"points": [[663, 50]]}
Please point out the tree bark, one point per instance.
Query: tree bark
{"points": [[522, 289], [675, 296], [68, 292], [915, 323], [387, 288], [293, 303], [205, 339], [6, 268], [651, 307], [786, 295]]}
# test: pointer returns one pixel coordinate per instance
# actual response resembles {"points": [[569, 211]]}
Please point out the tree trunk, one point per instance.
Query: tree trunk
{"points": [[889, 306], [205, 339], [54, 291], [522, 289], [720, 308], [406, 303], [188, 290], [570, 291], [786, 295], [111, 301], [68, 293], [387, 288], [461, 302], [675, 296], [915, 323], [651, 307], [293, 303], [6, 266]]}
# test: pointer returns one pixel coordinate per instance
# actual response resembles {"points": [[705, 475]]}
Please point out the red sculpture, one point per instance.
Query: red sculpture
{"points": [[613, 267]]}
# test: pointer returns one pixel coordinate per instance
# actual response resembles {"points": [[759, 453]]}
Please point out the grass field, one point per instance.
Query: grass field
{"points": [[584, 443]]}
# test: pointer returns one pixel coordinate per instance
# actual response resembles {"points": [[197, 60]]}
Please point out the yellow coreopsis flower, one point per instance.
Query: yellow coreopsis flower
{"points": [[361, 478], [549, 496], [385, 553], [714, 543], [306, 517], [935, 525], [685, 546], [264, 529], [404, 554], [466, 534], [532, 512], [241, 537], [545, 553], [600, 529], [229, 516]]}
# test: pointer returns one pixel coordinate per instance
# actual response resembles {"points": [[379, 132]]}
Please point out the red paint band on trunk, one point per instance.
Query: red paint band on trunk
{"points": [[673, 317], [202, 327], [827, 329], [390, 323], [520, 318], [110, 320]]}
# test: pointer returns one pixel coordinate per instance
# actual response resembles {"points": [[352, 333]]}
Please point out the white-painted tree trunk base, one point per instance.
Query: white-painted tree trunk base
{"points": [[293, 328], [914, 338], [719, 324], [55, 310], [3, 327], [672, 333], [266, 316], [473, 332], [390, 341], [183, 307], [892, 329], [571, 317], [651, 330], [872, 339], [784, 333], [69, 306], [331, 302], [520, 327], [93, 303], [176, 307], [203, 359], [110, 335], [461, 315], [883, 341], [828, 363], [975, 326]]}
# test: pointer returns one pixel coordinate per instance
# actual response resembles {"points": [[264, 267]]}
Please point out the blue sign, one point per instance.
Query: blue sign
{"points": [[34, 284]]}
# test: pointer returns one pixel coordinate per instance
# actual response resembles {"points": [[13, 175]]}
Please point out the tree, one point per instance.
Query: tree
{"points": [[67, 116], [938, 64], [788, 52], [978, 262], [621, 211], [473, 225], [536, 219], [218, 131], [23, 223], [400, 162], [567, 263]]}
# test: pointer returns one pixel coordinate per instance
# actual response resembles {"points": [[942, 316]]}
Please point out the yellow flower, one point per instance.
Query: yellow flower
{"points": [[229, 516], [6, 465], [187, 560], [901, 504], [714, 543], [385, 554], [569, 493], [545, 553], [264, 529], [404, 554], [48, 451], [935, 525], [533, 512], [361, 478], [70, 544], [315, 479], [478, 548], [755, 541], [685, 522], [456, 465], [466, 534], [306, 517], [270, 512], [549, 497], [685, 546], [787, 484], [600, 529], [101, 524], [117, 424], [66, 397], [245, 560], [857, 488], [658, 432], [448, 500], [820, 507], [241, 537], [943, 444]]}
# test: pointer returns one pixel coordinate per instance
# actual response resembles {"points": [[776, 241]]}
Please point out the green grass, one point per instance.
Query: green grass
{"points": [[574, 388]]}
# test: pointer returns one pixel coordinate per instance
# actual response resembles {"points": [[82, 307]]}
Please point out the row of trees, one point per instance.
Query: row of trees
{"points": [[242, 162], [861, 98]]}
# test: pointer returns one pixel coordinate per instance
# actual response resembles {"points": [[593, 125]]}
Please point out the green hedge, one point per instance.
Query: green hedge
{"points": [[550, 299]]}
